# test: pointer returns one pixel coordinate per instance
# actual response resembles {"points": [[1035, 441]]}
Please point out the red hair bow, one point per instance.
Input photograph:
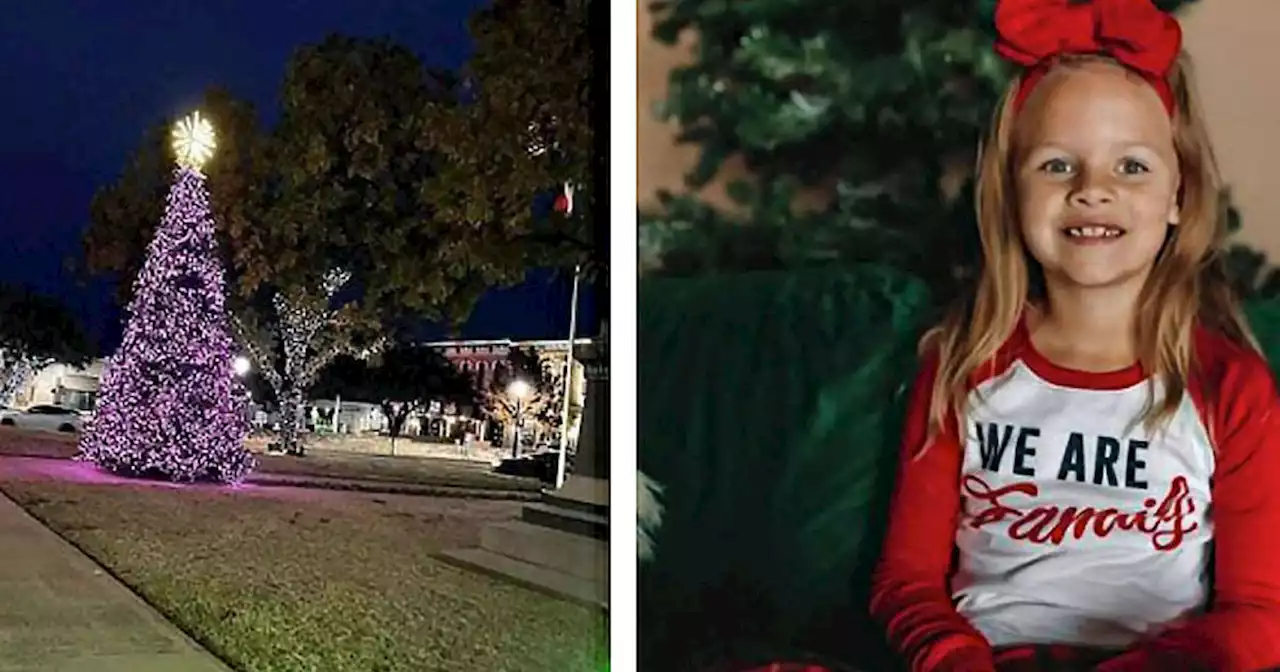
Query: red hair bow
{"points": [[1133, 32]]}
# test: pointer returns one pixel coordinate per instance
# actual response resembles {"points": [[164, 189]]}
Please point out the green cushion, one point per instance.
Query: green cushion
{"points": [[1264, 318], [769, 409], [770, 406]]}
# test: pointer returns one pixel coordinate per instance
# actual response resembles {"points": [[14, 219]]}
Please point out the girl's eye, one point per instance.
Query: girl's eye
{"points": [[1055, 167], [1133, 167]]}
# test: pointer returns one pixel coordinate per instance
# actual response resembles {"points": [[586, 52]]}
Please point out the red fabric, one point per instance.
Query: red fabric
{"points": [[1133, 32], [1041, 658], [1241, 630], [1235, 391], [561, 204], [910, 595], [1019, 348]]}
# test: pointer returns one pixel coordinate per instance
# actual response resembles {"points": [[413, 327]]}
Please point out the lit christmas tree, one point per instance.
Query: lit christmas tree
{"points": [[170, 405]]}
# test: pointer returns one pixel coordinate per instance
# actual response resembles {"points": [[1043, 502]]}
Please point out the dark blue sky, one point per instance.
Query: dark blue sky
{"points": [[84, 79]]}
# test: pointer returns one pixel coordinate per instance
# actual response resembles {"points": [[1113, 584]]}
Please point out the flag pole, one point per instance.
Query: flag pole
{"points": [[568, 379]]}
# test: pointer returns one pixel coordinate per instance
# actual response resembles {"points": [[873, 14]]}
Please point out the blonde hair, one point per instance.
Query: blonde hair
{"points": [[1186, 286]]}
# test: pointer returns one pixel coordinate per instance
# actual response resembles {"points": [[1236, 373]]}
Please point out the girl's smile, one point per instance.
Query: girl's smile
{"points": [[1092, 232]]}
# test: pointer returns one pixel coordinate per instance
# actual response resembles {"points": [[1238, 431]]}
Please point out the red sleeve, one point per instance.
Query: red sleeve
{"points": [[1241, 630], [910, 595]]}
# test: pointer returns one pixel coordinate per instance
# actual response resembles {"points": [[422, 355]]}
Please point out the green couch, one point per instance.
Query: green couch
{"points": [[769, 410]]}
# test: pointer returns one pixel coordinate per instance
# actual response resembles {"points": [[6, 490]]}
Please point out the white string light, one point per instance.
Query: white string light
{"points": [[300, 318], [18, 369], [169, 405]]}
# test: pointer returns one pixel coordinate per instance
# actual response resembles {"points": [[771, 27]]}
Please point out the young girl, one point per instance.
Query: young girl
{"points": [[1091, 471]]}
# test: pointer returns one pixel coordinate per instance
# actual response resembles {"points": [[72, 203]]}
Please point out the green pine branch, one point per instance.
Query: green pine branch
{"points": [[884, 98]]}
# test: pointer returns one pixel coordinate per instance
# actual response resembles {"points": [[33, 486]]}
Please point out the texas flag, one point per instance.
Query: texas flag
{"points": [[564, 202]]}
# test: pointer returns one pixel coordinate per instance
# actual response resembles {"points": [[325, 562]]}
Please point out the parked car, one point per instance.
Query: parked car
{"points": [[44, 417], [541, 466]]}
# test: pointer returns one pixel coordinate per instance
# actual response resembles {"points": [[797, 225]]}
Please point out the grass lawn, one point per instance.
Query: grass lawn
{"points": [[276, 580], [318, 463], [29, 442], [417, 470]]}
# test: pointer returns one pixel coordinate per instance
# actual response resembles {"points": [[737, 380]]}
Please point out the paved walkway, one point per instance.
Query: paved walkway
{"points": [[59, 612]]}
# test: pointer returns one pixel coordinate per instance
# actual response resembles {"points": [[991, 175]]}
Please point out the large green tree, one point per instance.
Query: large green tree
{"points": [[525, 129], [37, 330], [881, 104], [352, 185], [349, 177]]}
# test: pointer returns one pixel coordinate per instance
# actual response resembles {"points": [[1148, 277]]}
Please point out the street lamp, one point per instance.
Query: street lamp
{"points": [[519, 390], [241, 367]]}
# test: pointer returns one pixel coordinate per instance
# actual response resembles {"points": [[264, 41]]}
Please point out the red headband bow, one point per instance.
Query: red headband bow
{"points": [[1133, 32]]}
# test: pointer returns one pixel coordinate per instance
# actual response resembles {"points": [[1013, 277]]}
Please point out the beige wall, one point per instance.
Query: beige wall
{"points": [[659, 160], [1236, 44]]}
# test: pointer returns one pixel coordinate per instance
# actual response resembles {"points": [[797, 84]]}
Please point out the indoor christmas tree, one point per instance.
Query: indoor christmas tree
{"points": [[170, 405], [878, 104]]}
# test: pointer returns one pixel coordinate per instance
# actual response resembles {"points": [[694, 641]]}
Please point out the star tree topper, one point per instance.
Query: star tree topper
{"points": [[193, 141]]}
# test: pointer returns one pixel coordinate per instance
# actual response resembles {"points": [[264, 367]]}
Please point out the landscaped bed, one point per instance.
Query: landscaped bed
{"points": [[436, 472], [280, 579]]}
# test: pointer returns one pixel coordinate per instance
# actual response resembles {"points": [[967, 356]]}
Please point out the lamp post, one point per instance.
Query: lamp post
{"points": [[519, 390], [241, 366]]}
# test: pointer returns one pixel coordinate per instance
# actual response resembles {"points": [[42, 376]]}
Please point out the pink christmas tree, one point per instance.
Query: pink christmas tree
{"points": [[170, 405]]}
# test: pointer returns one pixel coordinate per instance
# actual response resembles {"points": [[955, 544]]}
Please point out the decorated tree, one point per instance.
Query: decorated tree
{"points": [[17, 371], [125, 213], [36, 331], [303, 333], [170, 405]]}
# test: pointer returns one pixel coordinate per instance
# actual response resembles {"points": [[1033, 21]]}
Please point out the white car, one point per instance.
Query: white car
{"points": [[46, 417]]}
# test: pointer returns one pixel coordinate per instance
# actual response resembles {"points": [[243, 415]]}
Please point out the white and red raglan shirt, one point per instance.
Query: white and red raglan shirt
{"points": [[1055, 517]]}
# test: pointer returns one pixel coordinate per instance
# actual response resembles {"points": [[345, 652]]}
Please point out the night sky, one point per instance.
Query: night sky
{"points": [[83, 80]]}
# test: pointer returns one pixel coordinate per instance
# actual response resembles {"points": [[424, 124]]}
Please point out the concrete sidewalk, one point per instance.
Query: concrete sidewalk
{"points": [[60, 612]]}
